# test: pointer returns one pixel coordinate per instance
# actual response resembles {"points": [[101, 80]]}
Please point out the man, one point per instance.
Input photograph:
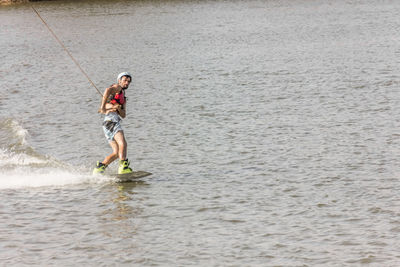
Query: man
{"points": [[113, 106]]}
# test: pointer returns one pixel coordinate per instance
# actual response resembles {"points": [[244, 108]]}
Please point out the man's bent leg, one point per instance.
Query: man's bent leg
{"points": [[101, 166], [114, 155]]}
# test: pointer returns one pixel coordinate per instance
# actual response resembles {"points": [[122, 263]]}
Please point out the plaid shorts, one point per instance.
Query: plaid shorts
{"points": [[111, 126]]}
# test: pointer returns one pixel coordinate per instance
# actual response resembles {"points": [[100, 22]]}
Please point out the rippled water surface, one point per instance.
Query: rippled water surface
{"points": [[271, 129]]}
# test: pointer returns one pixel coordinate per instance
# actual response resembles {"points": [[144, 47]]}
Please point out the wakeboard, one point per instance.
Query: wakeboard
{"points": [[130, 177]]}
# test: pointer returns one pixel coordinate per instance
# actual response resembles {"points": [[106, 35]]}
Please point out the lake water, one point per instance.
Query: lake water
{"points": [[271, 129]]}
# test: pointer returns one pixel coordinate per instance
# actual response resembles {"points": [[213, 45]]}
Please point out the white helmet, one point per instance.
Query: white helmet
{"points": [[122, 74]]}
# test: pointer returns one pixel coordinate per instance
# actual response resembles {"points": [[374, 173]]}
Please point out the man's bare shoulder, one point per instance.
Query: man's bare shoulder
{"points": [[113, 88]]}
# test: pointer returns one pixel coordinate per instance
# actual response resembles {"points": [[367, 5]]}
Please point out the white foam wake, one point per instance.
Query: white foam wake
{"points": [[20, 179], [21, 166], [23, 170], [8, 159], [19, 131]]}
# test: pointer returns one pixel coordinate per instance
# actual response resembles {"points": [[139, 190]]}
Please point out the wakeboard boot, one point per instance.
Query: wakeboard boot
{"points": [[100, 168], [124, 167]]}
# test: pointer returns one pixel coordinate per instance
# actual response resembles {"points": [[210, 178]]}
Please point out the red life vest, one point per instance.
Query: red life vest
{"points": [[118, 98]]}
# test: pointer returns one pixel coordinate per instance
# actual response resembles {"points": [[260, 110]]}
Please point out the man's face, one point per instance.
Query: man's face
{"points": [[124, 82]]}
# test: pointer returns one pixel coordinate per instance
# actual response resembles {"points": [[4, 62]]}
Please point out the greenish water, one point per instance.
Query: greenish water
{"points": [[271, 129]]}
